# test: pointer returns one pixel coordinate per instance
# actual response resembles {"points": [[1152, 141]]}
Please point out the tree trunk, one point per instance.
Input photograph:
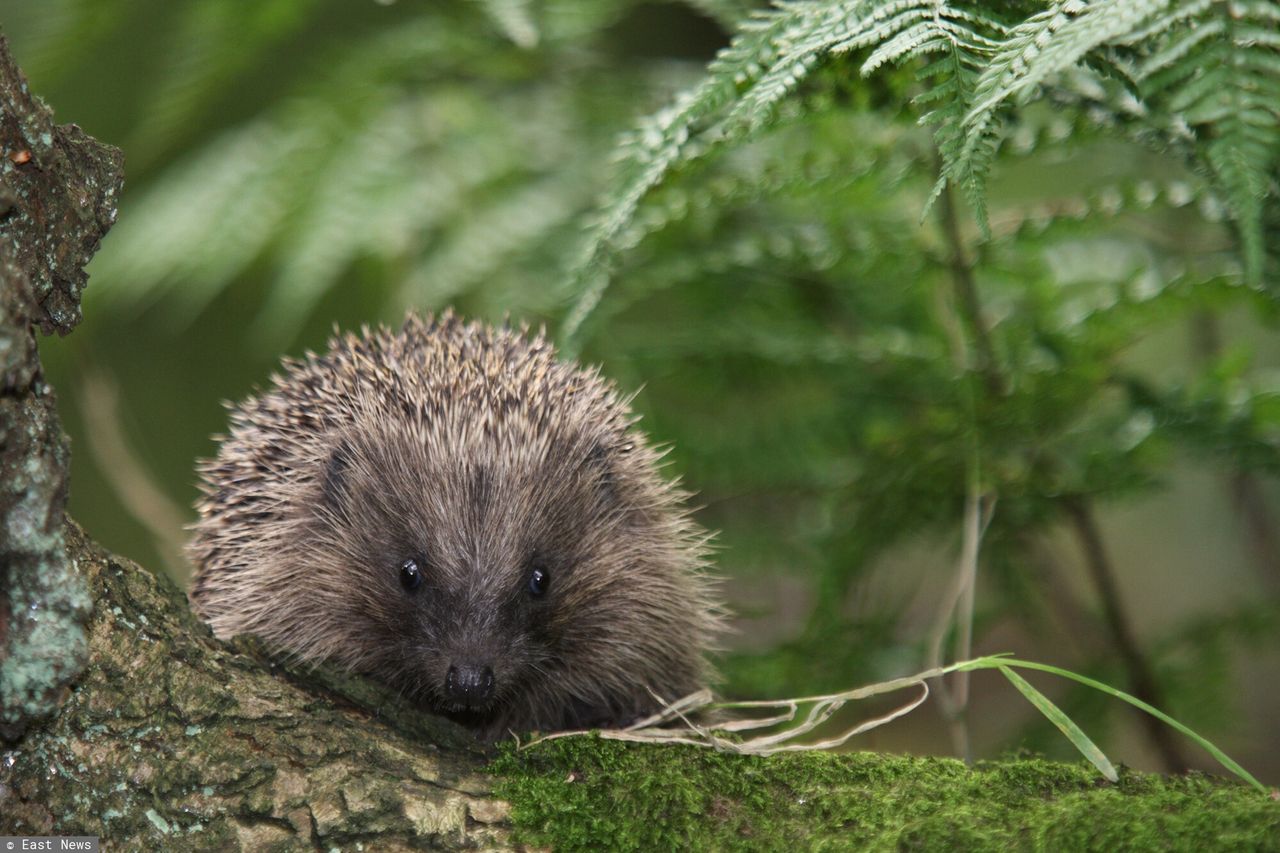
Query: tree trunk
{"points": [[57, 199]]}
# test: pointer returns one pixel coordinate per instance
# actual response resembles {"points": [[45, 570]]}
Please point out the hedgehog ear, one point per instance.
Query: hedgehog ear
{"points": [[333, 486]]}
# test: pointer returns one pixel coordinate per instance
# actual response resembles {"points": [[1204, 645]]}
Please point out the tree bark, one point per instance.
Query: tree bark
{"points": [[58, 191]]}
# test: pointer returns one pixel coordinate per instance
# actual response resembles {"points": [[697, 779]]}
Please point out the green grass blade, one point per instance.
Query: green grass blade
{"points": [[1000, 662], [1065, 724]]}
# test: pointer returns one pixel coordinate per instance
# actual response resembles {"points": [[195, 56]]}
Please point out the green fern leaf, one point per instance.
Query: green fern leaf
{"points": [[1048, 43], [966, 39], [216, 42], [1053, 41], [210, 219], [766, 61], [1218, 70], [663, 141]]}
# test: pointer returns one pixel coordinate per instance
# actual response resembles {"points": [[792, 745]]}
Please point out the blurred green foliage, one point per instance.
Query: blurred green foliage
{"points": [[869, 260]]}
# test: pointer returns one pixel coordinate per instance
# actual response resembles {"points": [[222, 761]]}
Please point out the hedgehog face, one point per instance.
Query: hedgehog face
{"points": [[475, 572]]}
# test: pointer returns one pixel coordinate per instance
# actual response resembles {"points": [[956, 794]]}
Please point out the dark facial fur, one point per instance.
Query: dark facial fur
{"points": [[454, 512]]}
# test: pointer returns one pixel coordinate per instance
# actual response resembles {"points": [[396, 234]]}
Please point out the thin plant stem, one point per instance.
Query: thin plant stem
{"points": [[1100, 569], [966, 293], [958, 606], [1119, 626]]}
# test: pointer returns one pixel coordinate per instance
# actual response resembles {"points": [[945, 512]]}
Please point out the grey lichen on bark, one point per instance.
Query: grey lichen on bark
{"points": [[58, 191]]}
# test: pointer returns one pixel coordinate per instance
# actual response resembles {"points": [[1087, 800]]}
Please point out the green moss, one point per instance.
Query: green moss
{"points": [[589, 794]]}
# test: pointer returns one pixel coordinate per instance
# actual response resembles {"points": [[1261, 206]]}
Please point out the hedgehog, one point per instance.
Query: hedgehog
{"points": [[455, 512]]}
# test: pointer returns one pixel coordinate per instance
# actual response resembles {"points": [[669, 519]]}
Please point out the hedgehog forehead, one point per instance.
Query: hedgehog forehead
{"points": [[466, 474], [474, 523], [498, 420], [476, 445]]}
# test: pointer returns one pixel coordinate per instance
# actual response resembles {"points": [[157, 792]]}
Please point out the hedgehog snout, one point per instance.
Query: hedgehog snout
{"points": [[469, 684]]}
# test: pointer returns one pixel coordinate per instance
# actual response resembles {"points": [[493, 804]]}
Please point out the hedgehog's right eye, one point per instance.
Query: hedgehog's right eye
{"points": [[410, 574], [539, 580]]}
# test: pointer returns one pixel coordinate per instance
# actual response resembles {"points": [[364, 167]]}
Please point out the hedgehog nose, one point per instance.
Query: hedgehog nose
{"points": [[468, 684]]}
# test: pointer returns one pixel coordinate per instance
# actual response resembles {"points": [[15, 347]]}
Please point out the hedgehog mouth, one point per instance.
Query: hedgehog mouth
{"points": [[480, 708], [476, 710], [471, 716]]}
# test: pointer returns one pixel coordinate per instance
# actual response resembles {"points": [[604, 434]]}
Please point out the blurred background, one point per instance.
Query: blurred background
{"points": [[795, 330]]}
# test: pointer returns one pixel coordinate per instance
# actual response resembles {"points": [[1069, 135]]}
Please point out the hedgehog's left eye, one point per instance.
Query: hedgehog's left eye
{"points": [[410, 574], [539, 581]]}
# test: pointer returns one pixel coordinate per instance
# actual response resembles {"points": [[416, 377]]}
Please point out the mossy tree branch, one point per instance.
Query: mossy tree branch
{"points": [[173, 740], [566, 794]]}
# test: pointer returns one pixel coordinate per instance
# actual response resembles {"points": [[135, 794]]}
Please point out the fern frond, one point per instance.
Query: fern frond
{"points": [[966, 39], [1164, 22], [1053, 41], [210, 219], [664, 140], [366, 171], [812, 30], [902, 29], [973, 33], [1046, 43], [1218, 70], [362, 204], [982, 64], [770, 56], [1178, 47]]}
